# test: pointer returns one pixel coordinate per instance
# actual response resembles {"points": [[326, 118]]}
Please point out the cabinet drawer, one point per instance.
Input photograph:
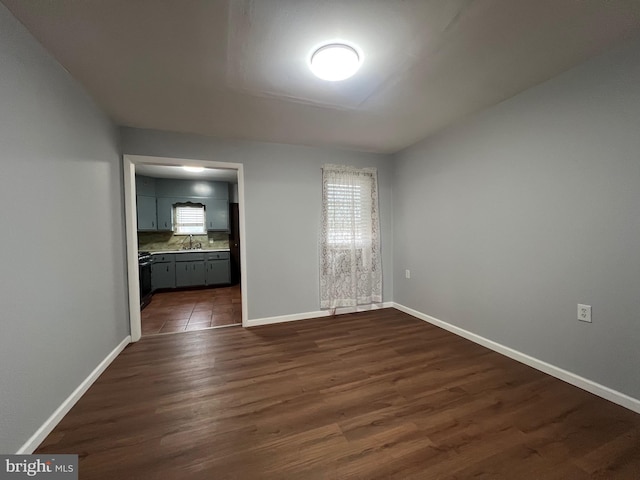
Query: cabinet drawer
{"points": [[189, 257], [217, 255], [163, 258]]}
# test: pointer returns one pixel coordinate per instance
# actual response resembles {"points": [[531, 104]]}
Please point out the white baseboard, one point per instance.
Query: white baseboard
{"points": [[46, 428], [569, 377], [317, 314]]}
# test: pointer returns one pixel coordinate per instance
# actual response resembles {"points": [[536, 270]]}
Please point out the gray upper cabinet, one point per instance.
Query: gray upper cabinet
{"points": [[145, 186], [169, 187], [146, 210], [217, 212], [146, 203], [157, 196], [165, 212]]}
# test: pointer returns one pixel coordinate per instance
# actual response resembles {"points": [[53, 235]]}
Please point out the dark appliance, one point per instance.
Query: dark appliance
{"points": [[144, 271], [234, 242]]}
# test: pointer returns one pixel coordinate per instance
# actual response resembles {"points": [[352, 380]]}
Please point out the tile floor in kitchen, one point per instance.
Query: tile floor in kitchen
{"points": [[187, 310]]}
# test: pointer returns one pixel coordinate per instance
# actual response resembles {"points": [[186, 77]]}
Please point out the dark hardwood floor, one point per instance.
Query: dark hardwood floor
{"points": [[375, 395], [188, 310]]}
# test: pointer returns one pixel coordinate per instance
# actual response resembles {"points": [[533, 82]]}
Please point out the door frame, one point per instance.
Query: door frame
{"points": [[131, 229]]}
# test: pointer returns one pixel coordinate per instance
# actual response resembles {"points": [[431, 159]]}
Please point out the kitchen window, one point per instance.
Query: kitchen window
{"points": [[189, 219]]}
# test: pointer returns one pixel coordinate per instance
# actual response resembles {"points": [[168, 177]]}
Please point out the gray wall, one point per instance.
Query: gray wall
{"points": [[283, 206], [512, 218], [62, 286]]}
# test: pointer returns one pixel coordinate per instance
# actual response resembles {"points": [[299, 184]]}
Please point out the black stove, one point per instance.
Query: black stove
{"points": [[144, 270], [144, 256]]}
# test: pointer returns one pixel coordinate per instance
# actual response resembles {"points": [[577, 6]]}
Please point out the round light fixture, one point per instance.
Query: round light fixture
{"points": [[193, 169], [335, 62]]}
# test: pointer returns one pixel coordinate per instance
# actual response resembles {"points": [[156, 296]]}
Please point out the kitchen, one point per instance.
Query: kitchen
{"points": [[188, 248]]}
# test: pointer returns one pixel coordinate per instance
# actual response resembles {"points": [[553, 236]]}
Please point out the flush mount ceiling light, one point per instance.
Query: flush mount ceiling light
{"points": [[193, 169], [335, 62]]}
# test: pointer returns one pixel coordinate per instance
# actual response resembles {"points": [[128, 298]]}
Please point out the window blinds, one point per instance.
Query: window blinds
{"points": [[346, 204], [190, 220]]}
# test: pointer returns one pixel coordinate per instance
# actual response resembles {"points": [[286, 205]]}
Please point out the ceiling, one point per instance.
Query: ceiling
{"points": [[169, 171], [239, 68]]}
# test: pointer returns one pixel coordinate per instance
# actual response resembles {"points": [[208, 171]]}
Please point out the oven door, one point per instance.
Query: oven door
{"points": [[144, 270]]}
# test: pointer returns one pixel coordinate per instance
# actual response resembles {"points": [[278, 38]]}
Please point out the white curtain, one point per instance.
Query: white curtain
{"points": [[350, 263]]}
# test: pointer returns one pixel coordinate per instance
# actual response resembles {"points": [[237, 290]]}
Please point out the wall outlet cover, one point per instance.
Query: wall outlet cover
{"points": [[584, 313]]}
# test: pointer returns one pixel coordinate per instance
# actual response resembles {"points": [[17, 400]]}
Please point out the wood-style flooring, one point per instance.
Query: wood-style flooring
{"points": [[187, 310], [376, 395]]}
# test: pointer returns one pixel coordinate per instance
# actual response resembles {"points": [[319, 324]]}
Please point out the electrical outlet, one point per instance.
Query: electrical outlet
{"points": [[584, 313], [407, 274]]}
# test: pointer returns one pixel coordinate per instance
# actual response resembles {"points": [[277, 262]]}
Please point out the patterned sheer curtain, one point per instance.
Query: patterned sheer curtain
{"points": [[350, 264]]}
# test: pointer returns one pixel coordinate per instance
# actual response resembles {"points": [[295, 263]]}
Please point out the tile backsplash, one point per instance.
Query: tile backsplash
{"points": [[162, 241]]}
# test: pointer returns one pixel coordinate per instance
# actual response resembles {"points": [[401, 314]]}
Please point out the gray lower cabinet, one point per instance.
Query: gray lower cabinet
{"points": [[190, 274], [217, 272], [163, 275], [218, 268], [163, 271], [190, 269], [146, 210]]}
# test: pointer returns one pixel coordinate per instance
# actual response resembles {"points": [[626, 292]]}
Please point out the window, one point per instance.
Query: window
{"points": [[350, 264], [346, 204], [189, 219]]}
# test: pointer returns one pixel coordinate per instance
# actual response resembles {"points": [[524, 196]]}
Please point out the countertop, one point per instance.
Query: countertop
{"points": [[203, 250]]}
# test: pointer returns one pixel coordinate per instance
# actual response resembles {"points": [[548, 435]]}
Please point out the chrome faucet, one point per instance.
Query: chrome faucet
{"points": [[192, 245]]}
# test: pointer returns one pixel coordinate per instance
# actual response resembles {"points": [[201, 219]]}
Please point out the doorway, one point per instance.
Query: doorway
{"points": [[222, 305]]}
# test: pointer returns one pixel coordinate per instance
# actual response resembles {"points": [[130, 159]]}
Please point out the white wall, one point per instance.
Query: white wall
{"points": [[62, 286], [283, 190], [510, 219]]}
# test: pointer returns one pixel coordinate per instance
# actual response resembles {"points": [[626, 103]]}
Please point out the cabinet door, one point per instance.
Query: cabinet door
{"points": [[218, 272], [169, 187], [146, 208], [163, 275], [145, 186], [189, 274], [197, 275], [165, 213], [183, 274], [217, 214]]}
